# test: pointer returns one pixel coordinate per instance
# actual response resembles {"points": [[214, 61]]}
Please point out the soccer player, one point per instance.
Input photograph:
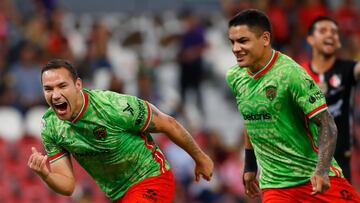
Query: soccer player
{"points": [[108, 134], [289, 130], [336, 78]]}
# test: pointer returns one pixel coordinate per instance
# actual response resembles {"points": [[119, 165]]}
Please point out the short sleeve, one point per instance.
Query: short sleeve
{"points": [[135, 113], [230, 79], [306, 93], [54, 151]]}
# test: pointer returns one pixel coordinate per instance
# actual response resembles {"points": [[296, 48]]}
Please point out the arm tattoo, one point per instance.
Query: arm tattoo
{"points": [[184, 138], [152, 128], [327, 135], [175, 131]]}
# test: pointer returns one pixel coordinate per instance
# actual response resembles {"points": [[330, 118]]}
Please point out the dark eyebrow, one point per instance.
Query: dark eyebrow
{"points": [[60, 84], [239, 39]]}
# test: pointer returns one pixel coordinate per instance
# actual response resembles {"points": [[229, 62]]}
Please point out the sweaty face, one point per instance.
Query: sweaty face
{"points": [[62, 93], [248, 47], [325, 38]]}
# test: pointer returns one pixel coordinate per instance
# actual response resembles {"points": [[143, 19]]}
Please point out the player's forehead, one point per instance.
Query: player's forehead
{"points": [[53, 77], [325, 24], [240, 31]]}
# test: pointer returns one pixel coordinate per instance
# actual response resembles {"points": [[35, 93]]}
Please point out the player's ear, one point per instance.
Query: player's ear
{"points": [[266, 36], [339, 45], [78, 84], [310, 39]]}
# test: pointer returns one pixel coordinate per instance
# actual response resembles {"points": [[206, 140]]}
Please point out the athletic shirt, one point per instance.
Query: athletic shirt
{"points": [[107, 139], [277, 104], [338, 83]]}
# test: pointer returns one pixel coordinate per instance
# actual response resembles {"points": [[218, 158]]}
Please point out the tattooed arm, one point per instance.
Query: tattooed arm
{"points": [[327, 135], [162, 123]]}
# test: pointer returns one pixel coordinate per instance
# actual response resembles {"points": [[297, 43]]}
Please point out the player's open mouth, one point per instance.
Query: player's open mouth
{"points": [[240, 58], [61, 108], [329, 42]]}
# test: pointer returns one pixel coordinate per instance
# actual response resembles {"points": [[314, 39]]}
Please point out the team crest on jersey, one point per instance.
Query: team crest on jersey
{"points": [[335, 81], [100, 133], [270, 92]]}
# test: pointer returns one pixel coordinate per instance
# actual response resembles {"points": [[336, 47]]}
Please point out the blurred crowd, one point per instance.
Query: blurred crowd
{"points": [[177, 60]]}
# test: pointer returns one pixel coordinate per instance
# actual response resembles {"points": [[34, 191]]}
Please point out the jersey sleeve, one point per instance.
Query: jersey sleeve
{"points": [[353, 72], [54, 151], [306, 93], [135, 113], [230, 79]]}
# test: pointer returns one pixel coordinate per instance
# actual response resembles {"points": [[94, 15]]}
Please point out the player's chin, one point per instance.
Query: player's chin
{"points": [[329, 51], [63, 117], [242, 63]]}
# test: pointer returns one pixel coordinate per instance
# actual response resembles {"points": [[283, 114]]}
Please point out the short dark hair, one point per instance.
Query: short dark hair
{"points": [[255, 19], [318, 19], [60, 63]]}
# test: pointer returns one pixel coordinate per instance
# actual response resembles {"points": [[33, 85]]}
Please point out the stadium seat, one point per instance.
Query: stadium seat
{"points": [[11, 124], [102, 77], [3, 149], [33, 120]]}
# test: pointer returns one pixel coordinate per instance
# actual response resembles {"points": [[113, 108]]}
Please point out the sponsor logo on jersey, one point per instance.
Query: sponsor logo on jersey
{"points": [[129, 109], [311, 83], [91, 153], [346, 194], [270, 92], [150, 194], [257, 116], [316, 96], [141, 115], [100, 133]]}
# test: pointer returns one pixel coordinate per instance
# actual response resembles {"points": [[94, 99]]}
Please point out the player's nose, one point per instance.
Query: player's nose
{"points": [[236, 47], [56, 95]]}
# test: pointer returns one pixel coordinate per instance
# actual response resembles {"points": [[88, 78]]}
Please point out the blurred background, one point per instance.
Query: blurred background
{"points": [[173, 53]]}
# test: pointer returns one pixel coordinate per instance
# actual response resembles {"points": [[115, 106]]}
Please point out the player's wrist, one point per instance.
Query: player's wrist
{"points": [[250, 161], [45, 175]]}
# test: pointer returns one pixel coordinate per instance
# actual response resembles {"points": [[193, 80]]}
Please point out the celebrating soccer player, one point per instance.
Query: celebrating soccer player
{"points": [[289, 129], [336, 78], [109, 135]]}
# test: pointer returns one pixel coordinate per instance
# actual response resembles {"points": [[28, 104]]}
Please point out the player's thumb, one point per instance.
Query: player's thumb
{"points": [[314, 185], [197, 176]]}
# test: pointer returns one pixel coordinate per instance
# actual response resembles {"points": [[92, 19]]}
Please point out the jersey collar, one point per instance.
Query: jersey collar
{"points": [[268, 65], [311, 72], [83, 108]]}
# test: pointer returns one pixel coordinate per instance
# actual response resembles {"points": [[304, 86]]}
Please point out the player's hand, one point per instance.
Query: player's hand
{"points": [[37, 162], [204, 167], [251, 184], [320, 183]]}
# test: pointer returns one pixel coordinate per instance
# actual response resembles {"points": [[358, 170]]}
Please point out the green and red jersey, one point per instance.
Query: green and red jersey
{"points": [[107, 139], [277, 104]]}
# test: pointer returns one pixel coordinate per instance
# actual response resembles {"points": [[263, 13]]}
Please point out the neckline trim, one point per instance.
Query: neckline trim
{"points": [[268, 65], [83, 108]]}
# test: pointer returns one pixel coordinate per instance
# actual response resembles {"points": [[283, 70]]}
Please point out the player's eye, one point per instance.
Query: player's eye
{"points": [[62, 86], [46, 89]]}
